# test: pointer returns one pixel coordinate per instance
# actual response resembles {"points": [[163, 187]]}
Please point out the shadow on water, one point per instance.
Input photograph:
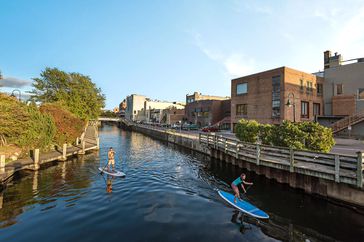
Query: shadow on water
{"points": [[168, 194]]}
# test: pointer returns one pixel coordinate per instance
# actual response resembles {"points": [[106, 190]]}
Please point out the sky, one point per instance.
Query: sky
{"points": [[165, 49]]}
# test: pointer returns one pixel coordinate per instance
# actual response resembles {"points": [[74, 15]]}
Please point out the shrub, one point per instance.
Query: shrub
{"points": [[304, 136], [247, 130], [69, 127], [318, 137], [24, 125]]}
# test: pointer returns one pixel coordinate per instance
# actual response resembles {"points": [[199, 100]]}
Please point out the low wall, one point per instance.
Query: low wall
{"points": [[338, 192]]}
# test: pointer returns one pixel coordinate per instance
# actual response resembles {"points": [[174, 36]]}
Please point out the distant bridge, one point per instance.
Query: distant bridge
{"points": [[121, 121], [105, 119]]}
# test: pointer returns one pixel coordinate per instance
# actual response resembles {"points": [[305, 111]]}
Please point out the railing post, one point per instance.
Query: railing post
{"points": [[83, 145], [36, 159], [98, 143], [337, 168], [359, 170], [2, 163], [77, 141], [237, 150], [64, 152], [291, 160], [258, 154], [225, 145]]}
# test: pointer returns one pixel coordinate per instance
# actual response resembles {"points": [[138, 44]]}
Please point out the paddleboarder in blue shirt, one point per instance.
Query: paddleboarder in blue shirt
{"points": [[239, 181]]}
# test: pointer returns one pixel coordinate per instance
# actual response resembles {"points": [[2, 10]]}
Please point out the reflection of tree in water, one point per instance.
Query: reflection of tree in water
{"points": [[42, 187]]}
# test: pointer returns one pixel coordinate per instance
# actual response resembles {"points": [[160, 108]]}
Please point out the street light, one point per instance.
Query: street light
{"points": [[290, 104], [16, 90]]}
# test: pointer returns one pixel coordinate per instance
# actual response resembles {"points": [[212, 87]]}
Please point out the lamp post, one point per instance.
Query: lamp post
{"points": [[292, 104], [16, 90]]}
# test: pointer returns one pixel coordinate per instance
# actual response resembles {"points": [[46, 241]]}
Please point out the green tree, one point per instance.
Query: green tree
{"points": [[74, 91]]}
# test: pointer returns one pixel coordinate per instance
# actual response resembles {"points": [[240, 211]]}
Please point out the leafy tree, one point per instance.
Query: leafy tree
{"points": [[74, 91], [289, 135], [108, 114]]}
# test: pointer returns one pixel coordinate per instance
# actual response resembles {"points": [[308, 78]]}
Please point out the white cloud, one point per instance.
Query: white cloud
{"points": [[14, 82], [234, 63]]}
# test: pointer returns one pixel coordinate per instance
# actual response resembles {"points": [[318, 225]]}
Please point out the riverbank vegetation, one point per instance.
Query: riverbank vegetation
{"points": [[24, 126], [304, 135], [68, 126]]}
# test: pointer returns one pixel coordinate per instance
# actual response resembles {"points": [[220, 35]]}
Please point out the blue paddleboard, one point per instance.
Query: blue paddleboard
{"points": [[243, 206]]}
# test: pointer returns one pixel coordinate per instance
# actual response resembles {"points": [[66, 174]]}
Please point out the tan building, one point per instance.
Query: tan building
{"points": [[344, 85], [276, 95], [173, 116], [198, 96]]}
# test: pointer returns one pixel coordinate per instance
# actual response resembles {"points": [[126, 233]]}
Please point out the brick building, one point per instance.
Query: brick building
{"points": [[207, 112], [276, 95], [173, 116]]}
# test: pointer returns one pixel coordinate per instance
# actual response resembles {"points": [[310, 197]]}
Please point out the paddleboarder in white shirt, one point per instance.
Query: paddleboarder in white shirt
{"points": [[111, 159], [239, 181]]}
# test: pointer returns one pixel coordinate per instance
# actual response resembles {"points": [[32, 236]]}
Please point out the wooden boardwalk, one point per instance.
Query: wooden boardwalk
{"points": [[88, 141], [339, 168]]}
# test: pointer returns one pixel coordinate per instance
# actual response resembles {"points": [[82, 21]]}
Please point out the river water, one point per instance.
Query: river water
{"points": [[169, 194]]}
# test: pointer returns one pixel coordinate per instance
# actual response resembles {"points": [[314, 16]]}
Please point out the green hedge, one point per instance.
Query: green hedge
{"points": [[304, 136]]}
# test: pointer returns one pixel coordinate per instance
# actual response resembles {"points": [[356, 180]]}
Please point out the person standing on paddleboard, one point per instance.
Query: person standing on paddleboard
{"points": [[111, 158], [239, 181]]}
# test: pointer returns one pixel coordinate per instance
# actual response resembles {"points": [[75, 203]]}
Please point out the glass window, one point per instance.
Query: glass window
{"points": [[361, 93], [241, 109], [241, 88], [339, 89], [316, 109], [304, 109], [319, 89], [276, 96]]}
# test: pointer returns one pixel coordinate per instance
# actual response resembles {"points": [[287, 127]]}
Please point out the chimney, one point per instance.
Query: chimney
{"points": [[327, 55]]}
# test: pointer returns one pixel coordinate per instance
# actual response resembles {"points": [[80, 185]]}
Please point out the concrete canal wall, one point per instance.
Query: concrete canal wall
{"points": [[338, 178]]}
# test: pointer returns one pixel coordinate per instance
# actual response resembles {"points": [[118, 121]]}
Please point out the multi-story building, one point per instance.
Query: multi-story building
{"points": [[134, 103], [196, 96], [276, 95], [343, 86], [207, 112], [154, 109], [173, 116]]}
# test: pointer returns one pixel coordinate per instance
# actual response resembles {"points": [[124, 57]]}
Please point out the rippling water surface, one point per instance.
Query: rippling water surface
{"points": [[168, 195]]}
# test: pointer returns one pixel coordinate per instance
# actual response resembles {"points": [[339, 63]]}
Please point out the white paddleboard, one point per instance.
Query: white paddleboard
{"points": [[112, 173]]}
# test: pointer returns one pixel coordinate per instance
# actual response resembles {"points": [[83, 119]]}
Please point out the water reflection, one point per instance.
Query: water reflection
{"points": [[169, 191]]}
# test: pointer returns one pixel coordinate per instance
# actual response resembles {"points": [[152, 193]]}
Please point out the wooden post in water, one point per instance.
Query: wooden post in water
{"points": [[258, 154], [2, 164], [359, 170], [337, 168], [98, 143], [36, 159], [83, 147], [64, 152], [77, 141], [291, 160]]}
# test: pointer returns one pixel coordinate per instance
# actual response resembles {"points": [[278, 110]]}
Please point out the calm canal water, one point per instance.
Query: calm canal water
{"points": [[167, 195]]}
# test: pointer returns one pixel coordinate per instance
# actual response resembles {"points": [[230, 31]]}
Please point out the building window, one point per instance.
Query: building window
{"points": [[309, 87], [316, 109], [276, 96], [339, 89], [241, 88], [304, 109], [241, 109], [361, 93], [301, 85], [319, 87]]}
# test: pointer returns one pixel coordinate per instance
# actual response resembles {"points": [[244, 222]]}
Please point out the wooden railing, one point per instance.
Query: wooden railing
{"points": [[336, 167], [346, 122]]}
